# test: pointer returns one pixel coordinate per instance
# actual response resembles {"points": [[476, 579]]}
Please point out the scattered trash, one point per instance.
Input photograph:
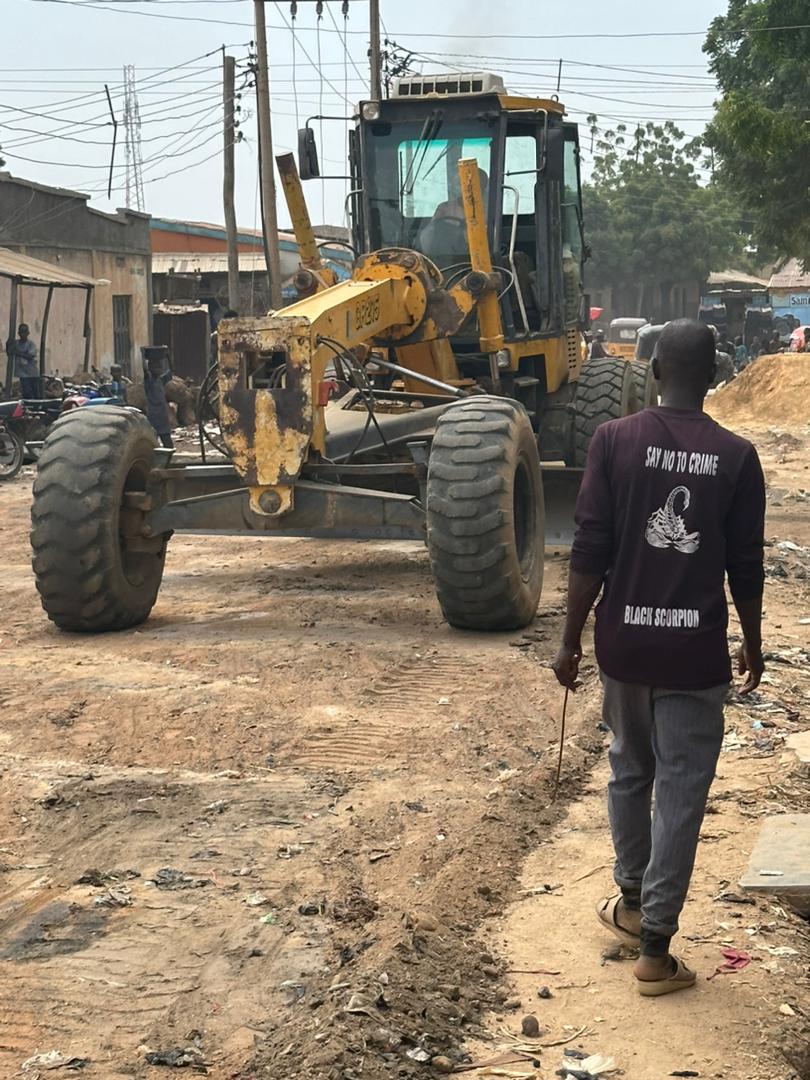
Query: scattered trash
{"points": [[735, 898], [53, 1060], [362, 1004], [112, 898], [268, 919], [256, 899], [772, 873], [544, 993], [179, 1057], [786, 1010], [599, 1065], [171, 879], [780, 950], [418, 1054], [735, 960], [375, 856], [287, 851], [733, 741], [684, 1072], [100, 878], [530, 1026], [313, 907], [442, 701], [588, 1067], [293, 991]]}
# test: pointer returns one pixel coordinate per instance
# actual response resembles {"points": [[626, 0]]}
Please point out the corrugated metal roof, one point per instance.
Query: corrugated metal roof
{"points": [[36, 272], [736, 277], [790, 276], [209, 262], [216, 262]]}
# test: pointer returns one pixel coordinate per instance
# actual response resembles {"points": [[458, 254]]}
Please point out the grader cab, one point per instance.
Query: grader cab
{"points": [[414, 401]]}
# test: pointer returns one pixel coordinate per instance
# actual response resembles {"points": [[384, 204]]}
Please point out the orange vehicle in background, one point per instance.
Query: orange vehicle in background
{"points": [[622, 336]]}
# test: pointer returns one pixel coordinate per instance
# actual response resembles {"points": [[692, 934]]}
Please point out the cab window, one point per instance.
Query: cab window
{"points": [[571, 211]]}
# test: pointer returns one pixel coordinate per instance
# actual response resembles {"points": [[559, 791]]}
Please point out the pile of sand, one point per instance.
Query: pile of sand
{"points": [[773, 390]]}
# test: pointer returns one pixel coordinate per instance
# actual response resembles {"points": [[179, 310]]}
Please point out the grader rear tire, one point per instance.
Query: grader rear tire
{"points": [[90, 577], [605, 391], [645, 384], [485, 515]]}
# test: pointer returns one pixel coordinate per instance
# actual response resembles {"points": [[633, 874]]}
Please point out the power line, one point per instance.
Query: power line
{"points": [[161, 15], [585, 37]]}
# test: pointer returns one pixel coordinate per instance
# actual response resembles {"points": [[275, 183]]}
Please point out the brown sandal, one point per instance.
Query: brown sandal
{"points": [[681, 979], [606, 914]]}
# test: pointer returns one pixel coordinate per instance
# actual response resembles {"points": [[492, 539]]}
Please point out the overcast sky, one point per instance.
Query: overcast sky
{"points": [[60, 53]]}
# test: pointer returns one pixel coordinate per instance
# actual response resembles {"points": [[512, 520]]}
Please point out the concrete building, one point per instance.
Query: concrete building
{"points": [[790, 296], [57, 226], [190, 265], [736, 303]]}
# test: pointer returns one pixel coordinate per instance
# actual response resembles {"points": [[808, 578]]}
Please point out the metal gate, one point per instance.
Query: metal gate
{"points": [[122, 336]]}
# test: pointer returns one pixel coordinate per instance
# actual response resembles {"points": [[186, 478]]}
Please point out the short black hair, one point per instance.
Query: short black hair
{"points": [[686, 351]]}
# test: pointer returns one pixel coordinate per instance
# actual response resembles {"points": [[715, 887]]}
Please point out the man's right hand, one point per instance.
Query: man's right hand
{"points": [[749, 660], [566, 666]]}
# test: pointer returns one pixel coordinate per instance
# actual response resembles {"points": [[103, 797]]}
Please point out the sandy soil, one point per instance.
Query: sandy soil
{"points": [[357, 800]]}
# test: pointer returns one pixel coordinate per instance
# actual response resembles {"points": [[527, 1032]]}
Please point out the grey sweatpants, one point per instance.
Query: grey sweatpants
{"points": [[666, 741]]}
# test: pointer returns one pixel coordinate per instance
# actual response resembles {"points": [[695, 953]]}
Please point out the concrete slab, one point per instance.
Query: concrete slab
{"points": [[799, 744], [780, 862]]}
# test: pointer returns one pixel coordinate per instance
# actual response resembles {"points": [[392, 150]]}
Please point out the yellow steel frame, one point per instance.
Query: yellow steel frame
{"points": [[396, 298]]}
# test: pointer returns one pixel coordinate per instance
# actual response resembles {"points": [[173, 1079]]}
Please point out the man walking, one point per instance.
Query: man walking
{"points": [[670, 504], [25, 363]]}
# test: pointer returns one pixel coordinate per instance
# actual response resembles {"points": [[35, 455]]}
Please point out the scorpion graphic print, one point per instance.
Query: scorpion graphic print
{"points": [[666, 528]]}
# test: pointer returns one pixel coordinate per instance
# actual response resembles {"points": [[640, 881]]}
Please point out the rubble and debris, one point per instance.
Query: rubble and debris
{"points": [[178, 1057], [171, 879], [99, 878], [53, 1059]]}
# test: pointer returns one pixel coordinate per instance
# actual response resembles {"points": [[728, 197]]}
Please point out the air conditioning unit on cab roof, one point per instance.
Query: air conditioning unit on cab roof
{"points": [[448, 83]]}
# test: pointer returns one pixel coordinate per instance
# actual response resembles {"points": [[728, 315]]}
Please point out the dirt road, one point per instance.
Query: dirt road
{"points": [[277, 830]]}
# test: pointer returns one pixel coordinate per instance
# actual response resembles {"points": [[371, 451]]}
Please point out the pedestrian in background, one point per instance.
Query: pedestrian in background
{"points": [[740, 354], [26, 367], [157, 407], [670, 504]]}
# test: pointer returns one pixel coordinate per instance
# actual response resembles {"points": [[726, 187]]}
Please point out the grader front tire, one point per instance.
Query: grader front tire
{"points": [[92, 572], [485, 515]]}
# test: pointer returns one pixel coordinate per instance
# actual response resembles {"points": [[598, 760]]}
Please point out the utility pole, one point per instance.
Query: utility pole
{"points": [[134, 154], [268, 183], [375, 83], [229, 133]]}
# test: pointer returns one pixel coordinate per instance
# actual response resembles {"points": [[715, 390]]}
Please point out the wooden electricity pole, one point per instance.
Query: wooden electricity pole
{"points": [[268, 183], [229, 132], [375, 60]]}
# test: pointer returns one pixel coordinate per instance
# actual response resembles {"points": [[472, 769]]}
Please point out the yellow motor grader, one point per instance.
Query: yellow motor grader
{"points": [[415, 400]]}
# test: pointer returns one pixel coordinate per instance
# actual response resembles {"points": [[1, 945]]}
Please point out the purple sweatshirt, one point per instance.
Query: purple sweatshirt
{"points": [[670, 503]]}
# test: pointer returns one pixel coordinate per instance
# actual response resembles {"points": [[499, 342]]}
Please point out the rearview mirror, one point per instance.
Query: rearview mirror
{"points": [[308, 166], [555, 150]]}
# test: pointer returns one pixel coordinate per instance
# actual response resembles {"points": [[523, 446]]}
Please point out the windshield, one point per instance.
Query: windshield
{"points": [[413, 186], [623, 333]]}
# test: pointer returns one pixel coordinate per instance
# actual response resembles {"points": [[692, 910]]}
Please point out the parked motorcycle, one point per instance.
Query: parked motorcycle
{"points": [[12, 438]]}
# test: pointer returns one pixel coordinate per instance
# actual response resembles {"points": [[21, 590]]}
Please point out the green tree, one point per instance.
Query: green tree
{"points": [[649, 219], [761, 129]]}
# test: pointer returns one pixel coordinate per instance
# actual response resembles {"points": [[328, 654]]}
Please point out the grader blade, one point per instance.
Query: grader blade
{"points": [[560, 490]]}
